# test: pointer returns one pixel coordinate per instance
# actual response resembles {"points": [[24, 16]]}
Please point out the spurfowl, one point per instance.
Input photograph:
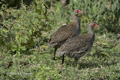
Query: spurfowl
{"points": [[65, 32], [78, 46]]}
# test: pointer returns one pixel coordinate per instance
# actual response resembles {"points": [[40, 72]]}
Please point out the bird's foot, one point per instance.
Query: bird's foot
{"points": [[62, 63]]}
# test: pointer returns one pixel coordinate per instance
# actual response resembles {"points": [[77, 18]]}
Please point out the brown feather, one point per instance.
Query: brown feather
{"points": [[63, 33], [77, 46]]}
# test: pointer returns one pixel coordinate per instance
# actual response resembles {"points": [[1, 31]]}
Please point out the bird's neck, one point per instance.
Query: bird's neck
{"points": [[90, 31], [75, 19]]}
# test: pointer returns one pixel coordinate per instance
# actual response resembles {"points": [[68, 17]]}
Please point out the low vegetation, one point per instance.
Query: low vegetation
{"points": [[26, 27]]}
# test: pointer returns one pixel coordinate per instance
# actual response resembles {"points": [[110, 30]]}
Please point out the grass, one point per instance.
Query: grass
{"points": [[16, 63], [28, 67]]}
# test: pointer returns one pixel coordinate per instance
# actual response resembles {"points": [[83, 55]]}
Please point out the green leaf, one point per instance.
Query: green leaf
{"points": [[105, 54]]}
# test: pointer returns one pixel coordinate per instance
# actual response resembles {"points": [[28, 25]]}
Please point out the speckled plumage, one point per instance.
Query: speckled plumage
{"points": [[78, 46], [65, 32]]}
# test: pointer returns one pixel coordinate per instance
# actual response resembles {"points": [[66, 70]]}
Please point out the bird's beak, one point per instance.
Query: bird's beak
{"points": [[80, 12], [95, 25]]}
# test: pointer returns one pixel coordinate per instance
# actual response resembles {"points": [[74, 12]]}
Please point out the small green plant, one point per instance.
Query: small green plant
{"points": [[46, 73]]}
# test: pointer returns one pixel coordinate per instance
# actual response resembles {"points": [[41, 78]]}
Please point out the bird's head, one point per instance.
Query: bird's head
{"points": [[77, 12], [92, 25]]}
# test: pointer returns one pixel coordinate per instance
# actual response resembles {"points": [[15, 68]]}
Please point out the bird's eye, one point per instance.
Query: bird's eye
{"points": [[77, 11]]}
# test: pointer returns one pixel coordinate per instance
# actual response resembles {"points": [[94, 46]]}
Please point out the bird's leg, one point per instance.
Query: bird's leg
{"points": [[54, 53], [63, 59], [76, 61]]}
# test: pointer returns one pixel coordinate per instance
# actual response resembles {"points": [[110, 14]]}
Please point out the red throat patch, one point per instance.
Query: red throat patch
{"points": [[78, 11], [95, 25]]}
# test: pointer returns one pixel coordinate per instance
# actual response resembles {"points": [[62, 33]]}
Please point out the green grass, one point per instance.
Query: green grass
{"points": [[26, 30], [42, 67]]}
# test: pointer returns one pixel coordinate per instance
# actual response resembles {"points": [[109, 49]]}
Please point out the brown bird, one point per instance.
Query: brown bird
{"points": [[65, 32], [77, 46]]}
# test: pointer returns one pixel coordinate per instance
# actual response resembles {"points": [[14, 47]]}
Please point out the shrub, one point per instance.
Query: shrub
{"points": [[105, 13], [23, 29]]}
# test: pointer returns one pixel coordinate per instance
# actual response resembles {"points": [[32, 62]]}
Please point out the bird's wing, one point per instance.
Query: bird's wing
{"points": [[75, 44], [63, 33]]}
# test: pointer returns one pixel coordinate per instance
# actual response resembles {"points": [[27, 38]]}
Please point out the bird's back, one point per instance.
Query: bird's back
{"points": [[63, 33], [77, 45]]}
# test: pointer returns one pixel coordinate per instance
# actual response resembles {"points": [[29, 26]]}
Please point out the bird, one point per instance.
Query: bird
{"points": [[77, 46], [65, 32]]}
